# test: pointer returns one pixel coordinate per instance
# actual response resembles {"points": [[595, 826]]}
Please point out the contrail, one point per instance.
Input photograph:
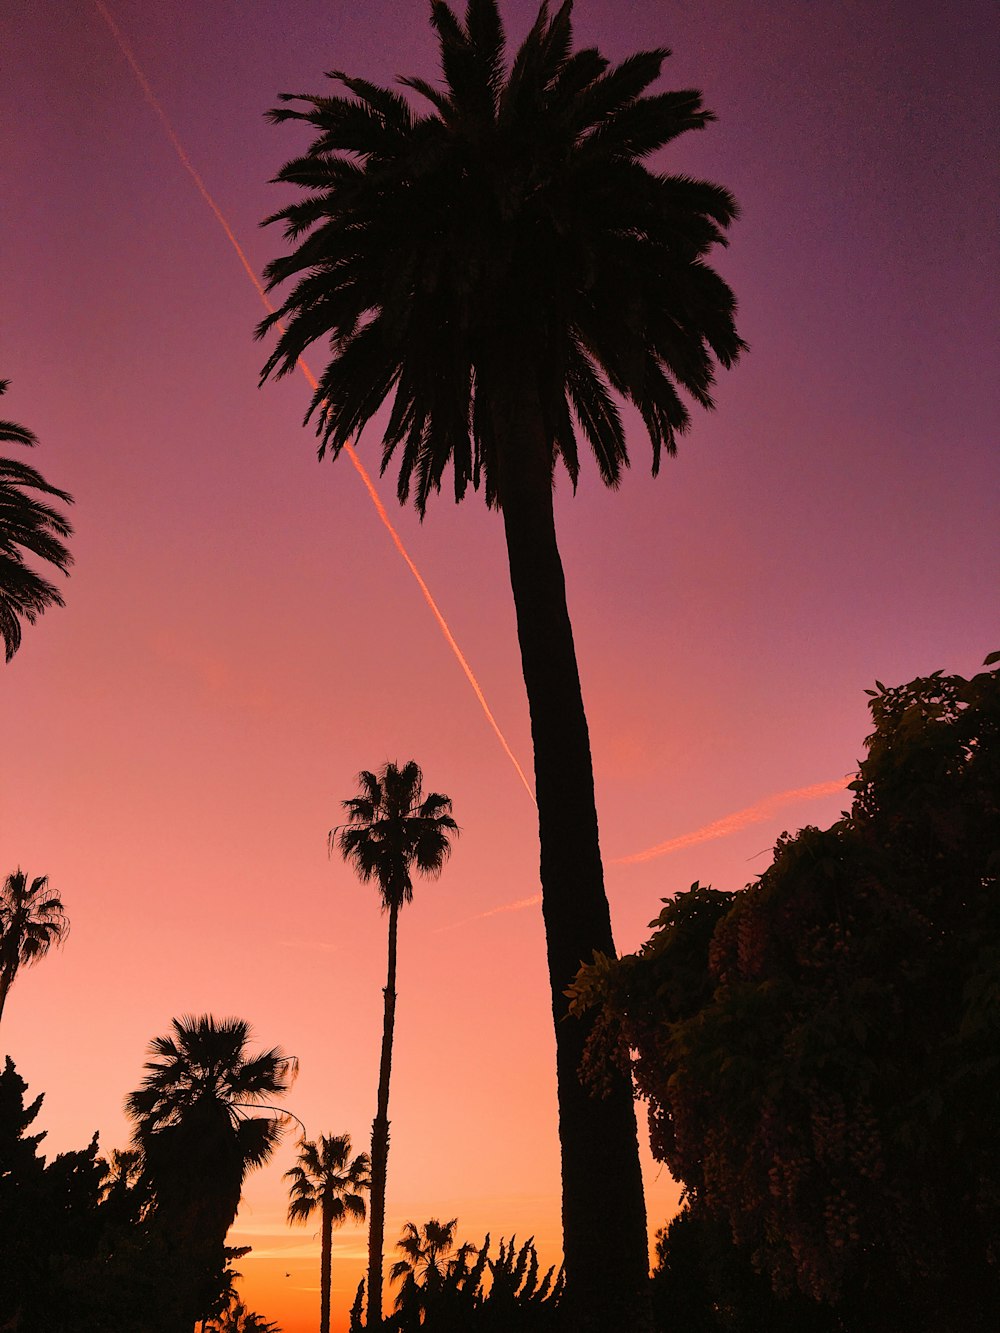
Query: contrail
{"points": [[740, 819], [517, 906], [310, 378], [719, 828]]}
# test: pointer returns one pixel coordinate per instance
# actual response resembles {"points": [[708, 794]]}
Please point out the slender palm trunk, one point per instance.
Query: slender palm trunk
{"points": [[326, 1255], [380, 1138], [604, 1221], [4, 988]]}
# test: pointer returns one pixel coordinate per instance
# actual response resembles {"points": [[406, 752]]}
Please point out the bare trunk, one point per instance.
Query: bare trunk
{"points": [[326, 1254], [603, 1210], [380, 1138]]}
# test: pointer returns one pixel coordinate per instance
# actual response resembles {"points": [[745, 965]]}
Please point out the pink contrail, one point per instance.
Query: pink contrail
{"points": [[310, 378], [719, 828], [518, 905], [740, 819]]}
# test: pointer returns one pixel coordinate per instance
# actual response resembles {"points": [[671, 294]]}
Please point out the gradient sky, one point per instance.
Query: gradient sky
{"points": [[240, 637]]}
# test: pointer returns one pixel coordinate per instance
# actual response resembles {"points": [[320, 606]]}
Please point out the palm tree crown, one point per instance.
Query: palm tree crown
{"points": [[32, 920], [326, 1173], [428, 1253], [391, 827], [203, 1071], [28, 526], [514, 224]]}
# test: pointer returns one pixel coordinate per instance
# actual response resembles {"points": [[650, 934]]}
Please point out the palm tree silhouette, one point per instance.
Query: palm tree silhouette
{"points": [[198, 1138], [32, 920], [391, 828], [27, 526], [428, 1257], [506, 268], [327, 1178]]}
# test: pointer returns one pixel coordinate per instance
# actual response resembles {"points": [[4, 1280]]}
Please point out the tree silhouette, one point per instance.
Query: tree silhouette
{"points": [[506, 268], [427, 1252], [198, 1138], [820, 1051], [327, 1178], [28, 526], [237, 1317], [32, 920], [391, 828]]}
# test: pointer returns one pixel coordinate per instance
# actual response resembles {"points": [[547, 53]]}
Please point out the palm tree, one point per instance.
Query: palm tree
{"points": [[506, 268], [391, 827], [328, 1178], [198, 1138], [32, 920], [239, 1318], [429, 1256], [27, 525]]}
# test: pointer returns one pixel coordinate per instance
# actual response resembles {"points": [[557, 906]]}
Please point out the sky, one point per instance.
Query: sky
{"points": [[241, 637]]}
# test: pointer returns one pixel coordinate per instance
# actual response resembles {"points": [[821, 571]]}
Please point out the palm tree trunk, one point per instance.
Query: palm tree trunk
{"points": [[326, 1254], [4, 988], [604, 1217], [380, 1138]]}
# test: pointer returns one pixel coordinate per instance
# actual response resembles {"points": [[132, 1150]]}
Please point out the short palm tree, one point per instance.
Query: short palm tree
{"points": [[32, 920], [391, 829], [28, 526], [428, 1256], [504, 266], [326, 1178], [198, 1136], [239, 1318]]}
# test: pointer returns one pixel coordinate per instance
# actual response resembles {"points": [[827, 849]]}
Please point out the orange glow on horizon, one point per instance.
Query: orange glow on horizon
{"points": [[311, 380]]}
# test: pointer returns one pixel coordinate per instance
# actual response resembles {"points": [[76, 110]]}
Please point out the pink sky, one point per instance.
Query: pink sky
{"points": [[240, 636]]}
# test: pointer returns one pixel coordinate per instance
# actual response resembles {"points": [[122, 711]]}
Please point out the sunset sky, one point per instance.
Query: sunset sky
{"points": [[241, 636]]}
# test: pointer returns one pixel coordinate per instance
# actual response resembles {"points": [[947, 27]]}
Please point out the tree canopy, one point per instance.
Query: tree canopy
{"points": [[821, 1052]]}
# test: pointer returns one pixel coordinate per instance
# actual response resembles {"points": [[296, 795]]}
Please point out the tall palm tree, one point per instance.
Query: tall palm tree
{"points": [[327, 1178], [198, 1138], [32, 920], [391, 828], [27, 526], [506, 268]]}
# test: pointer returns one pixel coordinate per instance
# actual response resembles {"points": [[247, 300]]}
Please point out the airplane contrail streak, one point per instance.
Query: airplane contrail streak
{"points": [[719, 828], [310, 378], [738, 820]]}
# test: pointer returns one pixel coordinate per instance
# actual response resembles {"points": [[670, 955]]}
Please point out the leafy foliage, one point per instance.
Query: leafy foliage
{"points": [[821, 1053], [703, 1283], [29, 527], [450, 1289]]}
